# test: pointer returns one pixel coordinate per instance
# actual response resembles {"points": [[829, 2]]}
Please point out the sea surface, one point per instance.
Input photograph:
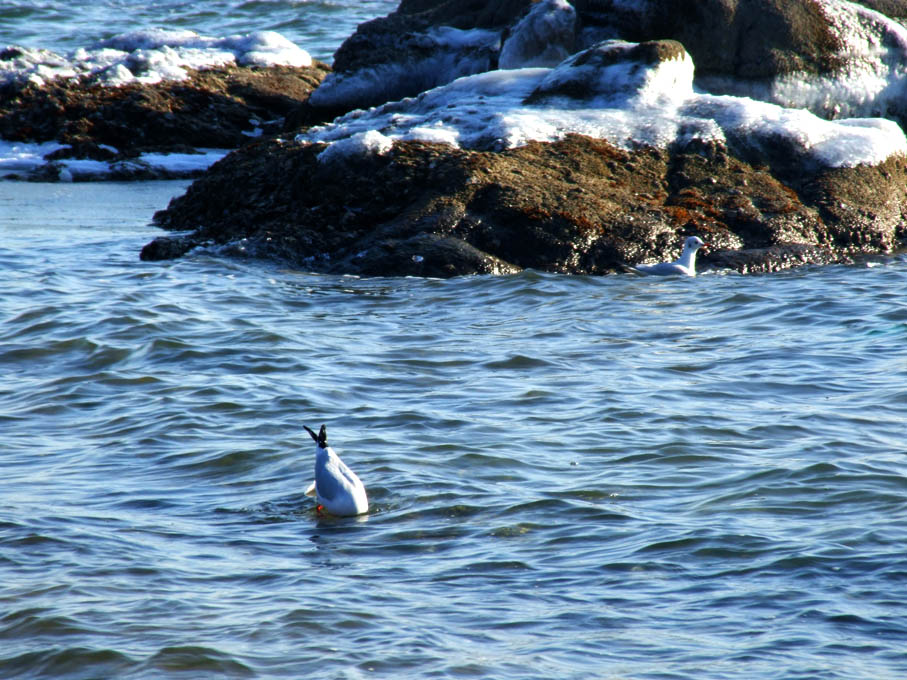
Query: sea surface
{"points": [[318, 26], [616, 478]]}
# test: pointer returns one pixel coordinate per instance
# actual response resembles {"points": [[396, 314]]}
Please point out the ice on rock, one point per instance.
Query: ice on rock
{"points": [[32, 65], [871, 81], [452, 53], [149, 56], [458, 38], [360, 144], [22, 158], [653, 72], [629, 94], [544, 37]]}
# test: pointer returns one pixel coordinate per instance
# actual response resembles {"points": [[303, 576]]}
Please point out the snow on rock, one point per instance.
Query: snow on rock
{"points": [[628, 94], [652, 72], [150, 56], [867, 75], [369, 142], [420, 62], [871, 81], [544, 37], [29, 160]]}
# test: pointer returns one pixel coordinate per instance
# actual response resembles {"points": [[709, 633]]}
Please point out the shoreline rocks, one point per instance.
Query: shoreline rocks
{"points": [[80, 126], [488, 175], [219, 107], [576, 206], [794, 54], [596, 147]]}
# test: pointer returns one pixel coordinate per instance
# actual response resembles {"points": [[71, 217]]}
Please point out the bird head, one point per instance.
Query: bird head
{"points": [[694, 243]]}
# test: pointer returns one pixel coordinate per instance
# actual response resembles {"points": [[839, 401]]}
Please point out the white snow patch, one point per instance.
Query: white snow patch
{"points": [[360, 144], [841, 143], [150, 56], [627, 103], [544, 37], [23, 158]]}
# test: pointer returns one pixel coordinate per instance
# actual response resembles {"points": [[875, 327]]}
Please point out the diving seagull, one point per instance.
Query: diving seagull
{"points": [[685, 265], [337, 488]]}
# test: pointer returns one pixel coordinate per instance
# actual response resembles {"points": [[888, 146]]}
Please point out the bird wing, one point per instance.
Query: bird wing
{"points": [[328, 483], [311, 490], [334, 478], [663, 269]]}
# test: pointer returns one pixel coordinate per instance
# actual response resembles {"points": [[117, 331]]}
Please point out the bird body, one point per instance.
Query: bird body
{"points": [[337, 488], [685, 265]]}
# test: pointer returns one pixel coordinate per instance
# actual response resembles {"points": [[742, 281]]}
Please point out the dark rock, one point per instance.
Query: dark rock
{"points": [[579, 206], [772, 259], [764, 195], [750, 39], [216, 107], [738, 46], [166, 249]]}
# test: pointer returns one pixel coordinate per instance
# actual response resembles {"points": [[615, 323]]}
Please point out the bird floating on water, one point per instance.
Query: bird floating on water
{"points": [[685, 265], [337, 488]]}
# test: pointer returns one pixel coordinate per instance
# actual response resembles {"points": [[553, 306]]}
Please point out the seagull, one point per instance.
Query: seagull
{"points": [[338, 490], [685, 265]]}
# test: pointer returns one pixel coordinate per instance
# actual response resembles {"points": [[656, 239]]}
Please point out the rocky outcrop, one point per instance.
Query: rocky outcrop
{"points": [[219, 107], [791, 53], [577, 206], [607, 157]]}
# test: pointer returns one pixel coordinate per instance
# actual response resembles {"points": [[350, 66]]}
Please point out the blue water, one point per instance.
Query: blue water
{"points": [[318, 26], [570, 477]]}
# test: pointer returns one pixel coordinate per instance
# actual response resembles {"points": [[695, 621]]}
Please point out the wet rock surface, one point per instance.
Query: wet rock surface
{"points": [[766, 195], [769, 189], [218, 107], [578, 206]]}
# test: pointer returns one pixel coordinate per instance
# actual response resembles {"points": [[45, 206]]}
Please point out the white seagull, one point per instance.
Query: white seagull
{"points": [[337, 488], [685, 265]]}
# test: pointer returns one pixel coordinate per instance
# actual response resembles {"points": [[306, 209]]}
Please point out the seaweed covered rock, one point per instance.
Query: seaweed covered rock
{"points": [[608, 157], [218, 107], [148, 92], [578, 205]]}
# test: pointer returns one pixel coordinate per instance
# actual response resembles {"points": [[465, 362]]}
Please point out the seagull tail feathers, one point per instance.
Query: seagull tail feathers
{"points": [[627, 269]]}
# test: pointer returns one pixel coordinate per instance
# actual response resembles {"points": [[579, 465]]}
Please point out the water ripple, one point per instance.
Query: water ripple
{"points": [[594, 476]]}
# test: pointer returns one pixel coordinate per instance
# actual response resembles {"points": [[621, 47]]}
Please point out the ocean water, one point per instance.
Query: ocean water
{"points": [[570, 477], [318, 26]]}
